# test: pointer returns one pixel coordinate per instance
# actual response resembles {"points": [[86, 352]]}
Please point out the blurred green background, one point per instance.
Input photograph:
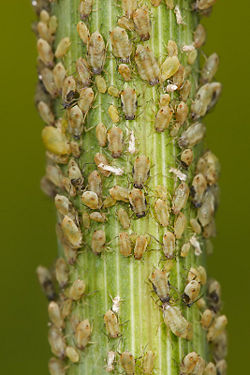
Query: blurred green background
{"points": [[27, 216]]}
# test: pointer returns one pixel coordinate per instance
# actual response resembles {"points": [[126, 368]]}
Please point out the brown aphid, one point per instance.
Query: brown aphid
{"points": [[141, 244], [72, 233], [193, 135], [112, 324], [113, 113], [141, 170], [207, 209], [82, 334], [217, 327], [100, 159], [199, 36], [68, 89], [128, 7], [125, 245], [83, 72], [164, 100], [101, 84], [187, 157], [179, 77], [168, 245], [55, 315], [180, 197], [95, 183], [126, 23], [123, 218], [142, 23], [214, 295], [195, 226], [128, 361], [206, 98], [198, 189], [169, 67], [56, 366], [119, 193], [185, 90], [96, 52], [163, 118], [188, 363], [125, 72], [209, 230], [85, 8], [90, 199], [209, 166], [62, 47], [199, 366], [98, 217], [161, 210], [83, 32], [45, 280], [59, 74], [46, 113], [115, 141], [68, 186], [138, 202], [148, 362], [70, 254], [179, 225], [86, 99], [55, 141], [191, 292], [54, 175], [75, 174], [129, 103], [49, 83], [57, 342], [169, 4], [121, 45], [147, 65], [98, 241], [181, 113], [43, 31], [76, 120], [210, 369], [176, 322], [207, 318], [72, 354], [77, 290], [45, 52], [160, 282], [62, 272]]}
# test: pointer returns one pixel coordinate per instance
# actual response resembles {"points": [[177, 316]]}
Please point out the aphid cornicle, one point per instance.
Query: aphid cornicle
{"points": [[85, 8], [141, 170], [98, 241], [179, 225], [199, 36], [83, 32], [129, 102], [125, 72], [62, 272], [83, 72], [111, 324], [193, 135], [45, 280], [49, 83], [119, 193], [188, 363], [90, 199], [86, 99], [55, 314], [62, 47], [115, 141], [72, 233], [82, 334], [56, 341], [210, 68], [198, 189], [125, 245], [45, 52], [123, 218], [147, 65], [217, 327], [180, 197], [128, 363], [55, 141], [174, 319], [191, 292], [141, 244], [207, 318], [168, 245], [95, 183], [161, 210], [138, 202], [128, 7], [148, 362], [72, 354], [46, 113], [56, 366], [142, 23], [121, 45], [77, 290], [159, 280], [163, 118], [96, 52]]}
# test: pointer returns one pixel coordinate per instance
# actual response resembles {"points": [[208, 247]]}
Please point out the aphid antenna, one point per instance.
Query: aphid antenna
{"points": [[154, 238], [89, 129]]}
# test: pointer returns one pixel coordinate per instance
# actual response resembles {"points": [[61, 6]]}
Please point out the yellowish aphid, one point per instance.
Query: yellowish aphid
{"points": [[72, 354], [55, 315], [96, 52], [188, 363], [43, 31], [49, 83], [83, 72], [181, 113], [85, 220], [113, 91], [185, 249], [126, 23], [46, 113], [127, 359], [119, 193], [121, 45], [86, 99], [185, 90], [85, 8], [82, 334], [160, 282], [98, 217], [199, 366], [206, 210], [217, 327], [55, 141], [53, 23], [164, 100], [169, 245], [179, 76], [191, 292], [44, 16], [172, 49], [111, 324], [62, 47], [45, 280], [198, 189], [141, 170], [169, 67], [192, 56], [210, 369], [59, 74], [56, 367], [199, 36], [148, 362], [202, 275], [141, 244], [125, 245], [161, 210], [142, 23], [176, 322], [207, 318], [75, 117], [77, 290], [180, 225], [128, 7], [99, 160], [95, 183], [83, 32], [163, 118], [125, 72], [108, 202], [75, 173], [101, 134], [195, 226], [170, 4], [204, 4], [155, 3], [72, 232], [147, 65], [193, 135], [62, 272], [123, 218], [57, 342], [98, 241], [129, 102], [113, 113], [45, 52], [110, 362], [115, 141], [90, 199], [180, 197], [101, 84]]}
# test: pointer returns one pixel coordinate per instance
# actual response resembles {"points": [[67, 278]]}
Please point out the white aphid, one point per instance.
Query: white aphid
{"points": [[131, 145], [195, 243], [171, 87], [178, 173], [116, 304], [178, 15], [110, 361], [188, 48], [109, 168]]}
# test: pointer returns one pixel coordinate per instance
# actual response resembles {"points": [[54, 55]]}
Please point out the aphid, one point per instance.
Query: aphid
{"points": [[188, 363], [172, 50], [56, 341], [188, 48], [210, 68], [70, 254], [195, 226], [86, 99], [187, 157], [180, 197], [155, 3], [113, 113], [207, 318], [196, 245], [193, 135], [185, 90], [206, 211], [82, 334], [206, 97], [101, 84], [147, 65], [123, 218], [181, 176], [204, 4], [45, 280], [113, 91], [95, 183], [55, 141], [68, 186], [83, 72], [179, 76], [202, 275], [62, 204], [55, 315], [100, 159], [62, 47], [96, 52], [199, 366], [142, 23], [49, 83], [126, 23], [185, 249], [44, 16], [214, 295], [176, 322], [115, 141], [191, 292], [59, 74], [128, 7], [77, 290], [53, 23], [56, 367], [68, 90], [125, 245], [131, 146], [46, 113], [148, 362], [127, 359], [163, 118], [220, 346], [179, 225], [45, 52], [62, 272], [141, 170], [75, 174], [181, 113], [201, 304], [198, 189], [75, 117], [119, 193], [192, 56], [171, 88], [85, 220], [169, 4], [164, 100], [217, 327], [138, 202], [209, 166], [161, 210], [159, 280], [43, 31], [98, 217], [98, 241], [54, 174], [141, 244], [125, 72], [83, 32], [199, 36], [116, 304], [210, 369], [72, 354], [111, 324], [90, 199], [85, 8], [169, 67], [129, 102], [121, 45], [178, 15], [110, 362], [72, 232], [209, 230]]}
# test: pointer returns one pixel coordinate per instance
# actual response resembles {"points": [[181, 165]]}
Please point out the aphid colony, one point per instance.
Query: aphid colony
{"points": [[66, 178]]}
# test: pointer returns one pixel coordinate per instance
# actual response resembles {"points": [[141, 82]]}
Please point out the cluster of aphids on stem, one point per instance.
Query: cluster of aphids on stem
{"points": [[64, 179]]}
